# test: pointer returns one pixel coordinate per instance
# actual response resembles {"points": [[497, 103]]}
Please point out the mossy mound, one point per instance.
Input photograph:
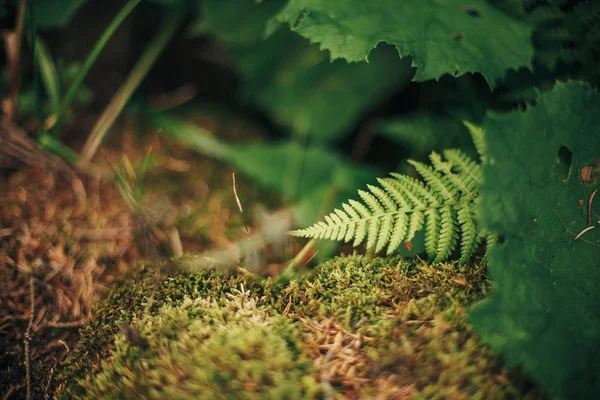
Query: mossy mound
{"points": [[206, 349], [354, 327]]}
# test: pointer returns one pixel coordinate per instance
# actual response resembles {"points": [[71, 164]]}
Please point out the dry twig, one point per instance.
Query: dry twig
{"points": [[27, 340], [12, 44], [589, 216], [239, 203]]}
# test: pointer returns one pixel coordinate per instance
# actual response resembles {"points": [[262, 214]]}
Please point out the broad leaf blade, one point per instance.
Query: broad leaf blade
{"points": [[545, 312], [234, 22], [300, 87], [292, 81], [442, 37]]}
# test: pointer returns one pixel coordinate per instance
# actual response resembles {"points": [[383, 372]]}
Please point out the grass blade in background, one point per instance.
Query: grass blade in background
{"points": [[52, 145], [47, 70], [138, 73], [56, 13], [92, 57]]}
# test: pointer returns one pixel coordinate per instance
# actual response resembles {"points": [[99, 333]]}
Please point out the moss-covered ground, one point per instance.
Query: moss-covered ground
{"points": [[354, 327]]}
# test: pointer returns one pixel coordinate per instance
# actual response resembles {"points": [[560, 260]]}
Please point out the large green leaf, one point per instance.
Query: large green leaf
{"points": [[544, 314], [299, 87], [442, 37], [293, 81], [234, 22]]}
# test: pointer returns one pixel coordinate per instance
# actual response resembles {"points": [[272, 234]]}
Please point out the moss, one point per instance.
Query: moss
{"points": [[368, 325], [428, 348], [140, 292], [359, 290], [207, 348], [96, 339]]}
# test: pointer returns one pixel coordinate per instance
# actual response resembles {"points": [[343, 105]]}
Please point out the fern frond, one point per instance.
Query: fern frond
{"points": [[398, 233], [392, 213], [477, 137], [432, 231], [468, 170], [492, 240], [468, 232], [446, 167], [448, 233], [434, 180], [416, 224]]}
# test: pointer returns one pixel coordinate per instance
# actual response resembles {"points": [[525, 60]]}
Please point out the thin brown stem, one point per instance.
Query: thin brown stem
{"points": [[137, 74], [27, 340], [12, 43]]}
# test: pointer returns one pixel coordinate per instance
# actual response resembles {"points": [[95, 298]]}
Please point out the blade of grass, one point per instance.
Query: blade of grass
{"points": [[34, 56], [142, 168], [48, 74], [52, 145], [125, 189], [145, 163], [137, 74], [13, 50], [91, 58], [190, 135]]}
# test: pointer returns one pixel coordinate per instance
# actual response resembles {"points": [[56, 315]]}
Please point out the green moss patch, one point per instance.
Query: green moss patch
{"points": [[206, 348], [355, 326]]}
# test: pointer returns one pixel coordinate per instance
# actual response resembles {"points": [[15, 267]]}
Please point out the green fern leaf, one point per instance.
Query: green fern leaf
{"points": [[432, 229], [415, 225], [373, 232], [469, 170], [477, 136], [468, 232], [385, 231], [448, 234], [435, 180], [389, 214], [398, 233]]}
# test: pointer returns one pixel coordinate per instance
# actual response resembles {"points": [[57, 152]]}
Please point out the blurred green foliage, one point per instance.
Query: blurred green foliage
{"points": [[55, 13]]}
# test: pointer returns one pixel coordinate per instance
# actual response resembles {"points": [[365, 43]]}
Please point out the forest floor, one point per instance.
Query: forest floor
{"points": [[64, 242], [70, 251]]}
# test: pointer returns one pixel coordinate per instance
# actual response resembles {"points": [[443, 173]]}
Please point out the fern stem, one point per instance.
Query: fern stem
{"points": [[288, 273]]}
